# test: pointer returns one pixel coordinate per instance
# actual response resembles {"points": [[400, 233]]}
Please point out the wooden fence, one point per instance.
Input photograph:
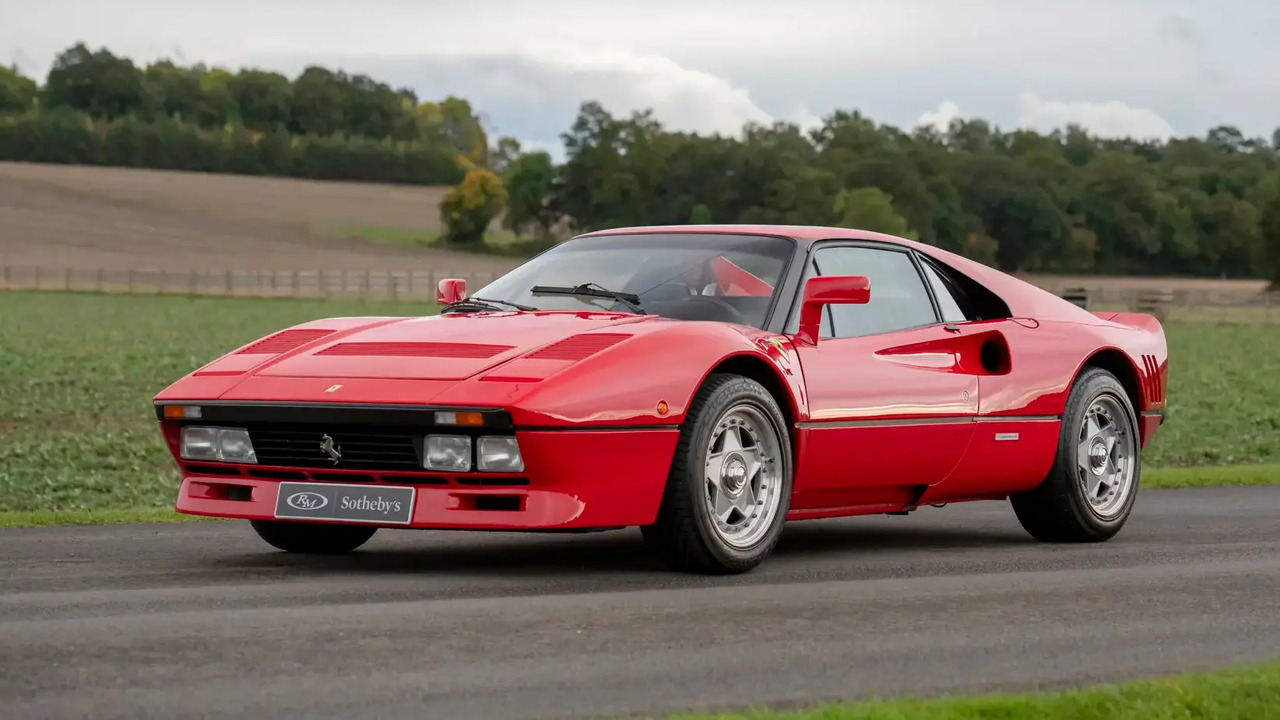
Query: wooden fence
{"points": [[1169, 304]]}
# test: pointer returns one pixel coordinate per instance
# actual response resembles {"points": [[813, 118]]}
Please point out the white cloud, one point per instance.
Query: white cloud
{"points": [[1113, 119], [940, 118], [681, 97]]}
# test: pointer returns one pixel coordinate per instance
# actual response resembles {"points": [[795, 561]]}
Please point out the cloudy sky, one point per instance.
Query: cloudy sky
{"points": [[1149, 68]]}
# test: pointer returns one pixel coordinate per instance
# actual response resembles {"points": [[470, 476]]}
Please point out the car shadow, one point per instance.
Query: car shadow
{"points": [[618, 552]]}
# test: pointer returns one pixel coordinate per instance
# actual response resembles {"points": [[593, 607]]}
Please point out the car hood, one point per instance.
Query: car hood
{"points": [[449, 347]]}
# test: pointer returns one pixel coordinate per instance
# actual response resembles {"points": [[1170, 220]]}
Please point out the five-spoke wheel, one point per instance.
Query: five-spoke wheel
{"points": [[730, 483], [741, 473], [1091, 487]]}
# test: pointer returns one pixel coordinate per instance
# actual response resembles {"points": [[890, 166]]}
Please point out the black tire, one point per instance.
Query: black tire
{"points": [[313, 538], [1058, 510], [684, 533]]}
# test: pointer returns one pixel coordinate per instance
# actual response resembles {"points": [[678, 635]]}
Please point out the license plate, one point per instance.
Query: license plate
{"points": [[389, 504]]}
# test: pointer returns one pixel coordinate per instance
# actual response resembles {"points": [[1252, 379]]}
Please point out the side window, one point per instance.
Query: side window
{"points": [[899, 299], [951, 311]]}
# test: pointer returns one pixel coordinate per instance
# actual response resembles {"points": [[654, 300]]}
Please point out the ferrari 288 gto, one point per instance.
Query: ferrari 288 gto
{"points": [[703, 383]]}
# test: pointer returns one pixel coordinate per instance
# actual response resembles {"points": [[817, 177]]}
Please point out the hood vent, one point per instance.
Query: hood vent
{"points": [[283, 342], [471, 351], [578, 347]]}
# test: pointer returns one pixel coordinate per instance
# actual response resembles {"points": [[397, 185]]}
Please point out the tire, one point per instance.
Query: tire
{"points": [[1059, 509], [313, 538], [685, 533]]}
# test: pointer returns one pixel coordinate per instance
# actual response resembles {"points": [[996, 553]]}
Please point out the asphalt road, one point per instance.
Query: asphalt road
{"points": [[203, 620]]}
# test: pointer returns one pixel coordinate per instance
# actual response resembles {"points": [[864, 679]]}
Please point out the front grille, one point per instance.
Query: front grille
{"points": [[361, 449]]}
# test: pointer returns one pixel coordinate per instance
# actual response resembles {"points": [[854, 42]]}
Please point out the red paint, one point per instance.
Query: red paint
{"points": [[576, 480], [883, 422], [828, 290], [451, 290]]}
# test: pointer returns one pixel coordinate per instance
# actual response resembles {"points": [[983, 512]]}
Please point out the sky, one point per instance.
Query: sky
{"points": [[1142, 68]]}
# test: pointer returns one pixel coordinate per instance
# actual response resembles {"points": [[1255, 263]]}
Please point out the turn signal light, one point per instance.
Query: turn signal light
{"points": [[468, 419]]}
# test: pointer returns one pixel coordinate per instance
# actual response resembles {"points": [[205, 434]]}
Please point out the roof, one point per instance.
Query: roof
{"points": [[1023, 298], [803, 233]]}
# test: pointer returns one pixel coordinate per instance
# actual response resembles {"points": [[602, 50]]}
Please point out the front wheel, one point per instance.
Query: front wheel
{"points": [[729, 488], [313, 538], [1093, 482]]}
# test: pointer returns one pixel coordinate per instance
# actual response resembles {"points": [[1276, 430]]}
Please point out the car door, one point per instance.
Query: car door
{"points": [[890, 405], [1016, 435]]}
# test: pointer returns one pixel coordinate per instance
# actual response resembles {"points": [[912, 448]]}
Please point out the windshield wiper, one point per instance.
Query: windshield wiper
{"points": [[592, 290], [479, 303]]}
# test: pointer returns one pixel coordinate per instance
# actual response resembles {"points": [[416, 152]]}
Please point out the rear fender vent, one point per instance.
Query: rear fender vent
{"points": [[476, 351], [579, 347], [283, 342], [1153, 381]]}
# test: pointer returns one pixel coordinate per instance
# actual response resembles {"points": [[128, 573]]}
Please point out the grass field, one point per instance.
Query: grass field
{"points": [[1248, 693], [77, 431]]}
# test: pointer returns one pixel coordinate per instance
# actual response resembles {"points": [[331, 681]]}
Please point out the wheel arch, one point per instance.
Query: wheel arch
{"points": [[754, 366], [1117, 363]]}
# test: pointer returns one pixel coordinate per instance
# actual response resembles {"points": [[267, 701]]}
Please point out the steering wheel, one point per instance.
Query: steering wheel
{"points": [[694, 301], [681, 292]]}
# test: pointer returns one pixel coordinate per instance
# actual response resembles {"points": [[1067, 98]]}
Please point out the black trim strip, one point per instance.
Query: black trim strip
{"points": [[937, 420], [263, 411]]}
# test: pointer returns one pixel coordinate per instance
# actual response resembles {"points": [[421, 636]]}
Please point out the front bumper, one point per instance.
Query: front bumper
{"points": [[575, 479]]}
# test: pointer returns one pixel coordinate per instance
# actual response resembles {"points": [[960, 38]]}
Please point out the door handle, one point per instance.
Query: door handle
{"points": [[951, 327]]}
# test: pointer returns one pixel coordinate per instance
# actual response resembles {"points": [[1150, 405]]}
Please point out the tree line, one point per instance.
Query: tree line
{"points": [[1065, 201], [96, 107]]}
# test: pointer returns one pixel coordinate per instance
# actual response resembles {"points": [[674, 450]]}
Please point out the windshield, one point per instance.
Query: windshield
{"points": [[723, 277]]}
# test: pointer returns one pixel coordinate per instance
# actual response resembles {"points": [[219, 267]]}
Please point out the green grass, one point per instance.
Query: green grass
{"points": [[77, 433], [49, 518], [1249, 693], [76, 427], [1224, 397]]}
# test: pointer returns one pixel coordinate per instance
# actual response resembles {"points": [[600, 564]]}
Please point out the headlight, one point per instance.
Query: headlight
{"points": [[451, 453], [217, 444], [498, 454]]}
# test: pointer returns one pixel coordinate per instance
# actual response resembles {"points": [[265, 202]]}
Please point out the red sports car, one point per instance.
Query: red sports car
{"points": [[705, 383]]}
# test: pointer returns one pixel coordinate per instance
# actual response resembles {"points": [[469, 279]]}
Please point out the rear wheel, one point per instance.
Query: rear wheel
{"points": [[313, 538], [729, 487], [1093, 483]]}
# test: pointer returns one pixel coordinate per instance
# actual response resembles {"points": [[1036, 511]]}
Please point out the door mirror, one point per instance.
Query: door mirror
{"points": [[826, 290], [451, 290]]}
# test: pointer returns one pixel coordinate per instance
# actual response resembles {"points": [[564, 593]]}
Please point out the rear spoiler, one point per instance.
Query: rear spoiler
{"points": [[1140, 321]]}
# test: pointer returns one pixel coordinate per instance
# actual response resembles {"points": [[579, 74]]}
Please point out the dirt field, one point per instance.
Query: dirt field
{"points": [[116, 219], [90, 218]]}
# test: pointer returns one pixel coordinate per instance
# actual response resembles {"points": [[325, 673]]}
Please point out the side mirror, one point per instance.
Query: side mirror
{"points": [[451, 290], [826, 290]]}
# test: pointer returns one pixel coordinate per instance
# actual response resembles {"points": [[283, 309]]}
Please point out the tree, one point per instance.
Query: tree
{"points": [[870, 208], [529, 182], [1269, 235], [504, 154], [264, 99], [17, 91], [467, 209], [95, 82]]}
